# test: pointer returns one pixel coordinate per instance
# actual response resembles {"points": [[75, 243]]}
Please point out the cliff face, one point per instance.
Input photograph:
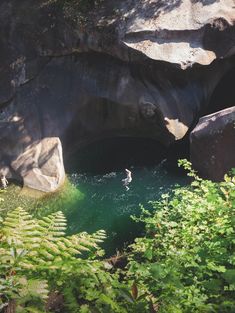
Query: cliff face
{"points": [[124, 68]]}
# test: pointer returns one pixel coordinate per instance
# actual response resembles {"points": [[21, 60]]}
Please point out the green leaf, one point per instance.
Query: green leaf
{"points": [[229, 276], [157, 271]]}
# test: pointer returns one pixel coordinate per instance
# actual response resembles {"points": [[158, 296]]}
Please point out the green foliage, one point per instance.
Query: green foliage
{"points": [[186, 261], [37, 258]]}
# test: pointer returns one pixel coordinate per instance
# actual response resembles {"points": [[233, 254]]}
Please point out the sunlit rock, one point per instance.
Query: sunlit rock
{"points": [[212, 144]]}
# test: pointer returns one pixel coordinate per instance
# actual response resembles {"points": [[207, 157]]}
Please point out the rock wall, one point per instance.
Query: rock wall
{"points": [[131, 68]]}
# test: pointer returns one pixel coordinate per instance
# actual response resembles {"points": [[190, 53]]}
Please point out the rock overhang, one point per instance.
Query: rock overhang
{"points": [[145, 73]]}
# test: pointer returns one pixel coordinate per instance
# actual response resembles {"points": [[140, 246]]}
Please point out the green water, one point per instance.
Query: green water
{"points": [[92, 202], [108, 205]]}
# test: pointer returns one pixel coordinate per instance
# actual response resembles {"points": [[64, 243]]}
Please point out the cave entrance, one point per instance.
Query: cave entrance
{"points": [[112, 154], [224, 94]]}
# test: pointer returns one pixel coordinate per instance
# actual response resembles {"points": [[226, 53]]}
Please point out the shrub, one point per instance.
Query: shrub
{"points": [[186, 261]]}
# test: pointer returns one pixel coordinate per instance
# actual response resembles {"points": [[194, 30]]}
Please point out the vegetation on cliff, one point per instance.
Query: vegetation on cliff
{"points": [[184, 263]]}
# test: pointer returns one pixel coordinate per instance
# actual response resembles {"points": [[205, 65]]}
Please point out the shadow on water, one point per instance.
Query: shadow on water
{"points": [[113, 154]]}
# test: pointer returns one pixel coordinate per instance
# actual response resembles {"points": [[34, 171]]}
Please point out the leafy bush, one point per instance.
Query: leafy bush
{"points": [[37, 259], [186, 261]]}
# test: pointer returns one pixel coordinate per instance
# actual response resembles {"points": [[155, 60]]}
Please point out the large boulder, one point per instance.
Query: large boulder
{"points": [[118, 68], [212, 144], [41, 165]]}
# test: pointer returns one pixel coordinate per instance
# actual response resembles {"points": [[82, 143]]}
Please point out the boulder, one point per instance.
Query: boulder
{"points": [[70, 76], [41, 165], [212, 144]]}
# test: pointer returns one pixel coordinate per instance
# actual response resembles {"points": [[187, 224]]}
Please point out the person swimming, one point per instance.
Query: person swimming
{"points": [[128, 179]]}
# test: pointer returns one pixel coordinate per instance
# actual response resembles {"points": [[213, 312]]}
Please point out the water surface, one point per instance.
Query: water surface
{"points": [[91, 202], [108, 205]]}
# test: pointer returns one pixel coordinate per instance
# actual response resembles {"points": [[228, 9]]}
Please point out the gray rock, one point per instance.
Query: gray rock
{"points": [[180, 31], [123, 72], [41, 165], [212, 144]]}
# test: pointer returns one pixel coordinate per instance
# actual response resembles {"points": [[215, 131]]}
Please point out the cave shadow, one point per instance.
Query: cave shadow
{"points": [[223, 95], [117, 153], [113, 154]]}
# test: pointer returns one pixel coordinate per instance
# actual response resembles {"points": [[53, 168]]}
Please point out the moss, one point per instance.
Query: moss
{"points": [[39, 203]]}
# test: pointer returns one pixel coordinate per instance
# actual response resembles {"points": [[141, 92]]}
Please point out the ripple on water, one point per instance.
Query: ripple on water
{"points": [[101, 201], [108, 205]]}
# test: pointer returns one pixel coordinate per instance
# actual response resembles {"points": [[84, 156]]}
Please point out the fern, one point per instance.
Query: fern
{"points": [[33, 287], [20, 230], [32, 248]]}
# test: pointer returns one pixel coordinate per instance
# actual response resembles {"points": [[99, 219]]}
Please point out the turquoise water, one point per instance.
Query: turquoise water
{"points": [[107, 205], [91, 202]]}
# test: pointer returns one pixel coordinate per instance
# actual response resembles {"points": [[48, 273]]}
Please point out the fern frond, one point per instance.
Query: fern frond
{"points": [[53, 226], [30, 247], [38, 288], [19, 229], [32, 294], [88, 241]]}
